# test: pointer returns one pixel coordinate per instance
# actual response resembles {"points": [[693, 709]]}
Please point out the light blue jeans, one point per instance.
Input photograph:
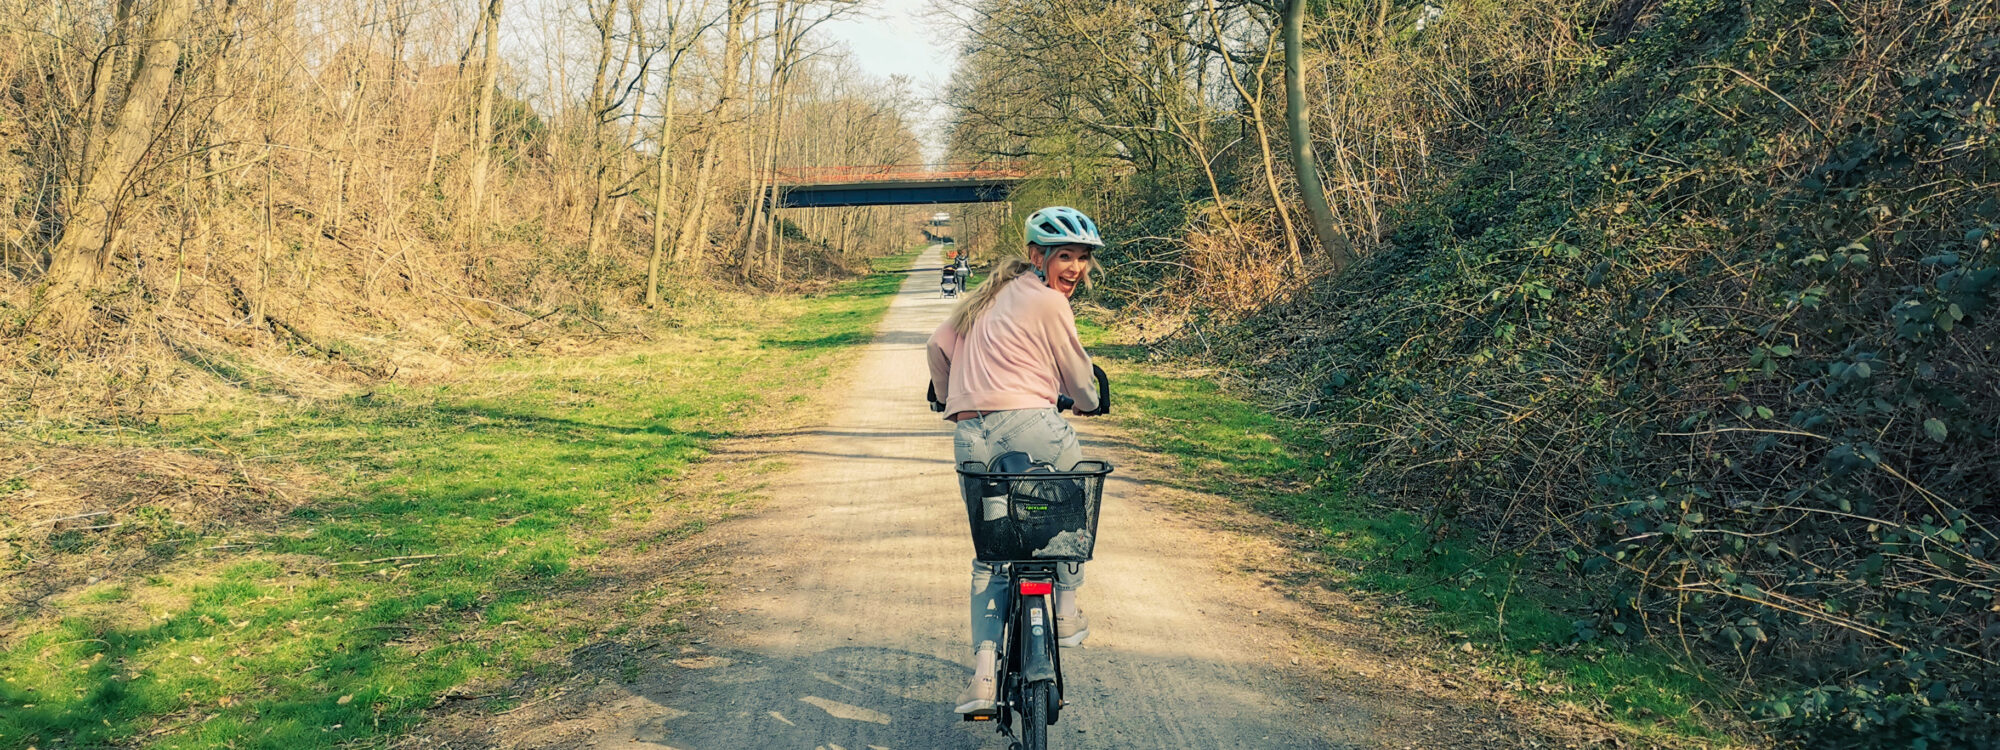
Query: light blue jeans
{"points": [[1044, 436]]}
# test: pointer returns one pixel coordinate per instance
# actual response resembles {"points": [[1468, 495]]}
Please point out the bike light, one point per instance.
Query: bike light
{"points": [[1036, 588]]}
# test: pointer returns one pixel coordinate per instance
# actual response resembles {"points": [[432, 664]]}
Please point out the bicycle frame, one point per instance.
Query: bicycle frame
{"points": [[1029, 653]]}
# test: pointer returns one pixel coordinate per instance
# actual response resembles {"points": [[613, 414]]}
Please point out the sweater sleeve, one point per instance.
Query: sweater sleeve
{"points": [[938, 352], [1073, 374]]}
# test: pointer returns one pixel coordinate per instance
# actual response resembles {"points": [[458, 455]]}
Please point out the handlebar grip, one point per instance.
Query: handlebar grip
{"points": [[1103, 390], [930, 394], [1103, 396]]}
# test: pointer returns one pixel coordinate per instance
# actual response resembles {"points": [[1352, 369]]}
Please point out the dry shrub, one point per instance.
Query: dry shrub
{"points": [[74, 516], [1232, 260]]}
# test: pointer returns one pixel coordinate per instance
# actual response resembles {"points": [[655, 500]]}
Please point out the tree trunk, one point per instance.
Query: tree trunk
{"points": [[260, 304], [600, 166], [687, 253], [777, 245], [482, 143], [100, 88], [694, 227], [1256, 104], [663, 161], [85, 247], [214, 131], [1303, 162], [747, 218], [628, 173], [781, 76]]}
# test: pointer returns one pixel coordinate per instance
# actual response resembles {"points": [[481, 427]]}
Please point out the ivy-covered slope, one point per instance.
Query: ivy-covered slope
{"points": [[1720, 320]]}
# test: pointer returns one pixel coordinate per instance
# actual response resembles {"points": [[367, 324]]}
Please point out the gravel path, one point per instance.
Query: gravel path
{"points": [[839, 613]]}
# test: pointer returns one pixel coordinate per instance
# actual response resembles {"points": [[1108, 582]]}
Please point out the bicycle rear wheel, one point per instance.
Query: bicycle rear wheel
{"points": [[1037, 700]]}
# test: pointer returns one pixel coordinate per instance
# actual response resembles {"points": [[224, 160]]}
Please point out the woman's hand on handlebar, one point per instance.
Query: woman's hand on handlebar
{"points": [[1065, 403]]}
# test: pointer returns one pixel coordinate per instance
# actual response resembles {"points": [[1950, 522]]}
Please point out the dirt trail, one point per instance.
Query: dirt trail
{"points": [[840, 620]]}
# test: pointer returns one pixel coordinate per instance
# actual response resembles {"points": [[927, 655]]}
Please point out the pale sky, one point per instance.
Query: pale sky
{"points": [[883, 37], [902, 37]]}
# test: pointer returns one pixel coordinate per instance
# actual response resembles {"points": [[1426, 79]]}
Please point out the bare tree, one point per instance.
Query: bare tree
{"points": [[482, 141], [694, 225], [665, 165], [1297, 122], [89, 233], [199, 173]]}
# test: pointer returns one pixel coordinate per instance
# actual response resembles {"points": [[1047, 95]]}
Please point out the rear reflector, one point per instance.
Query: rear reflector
{"points": [[1036, 588]]}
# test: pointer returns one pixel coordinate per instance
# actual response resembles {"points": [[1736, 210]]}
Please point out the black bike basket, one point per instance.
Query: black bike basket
{"points": [[1037, 515]]}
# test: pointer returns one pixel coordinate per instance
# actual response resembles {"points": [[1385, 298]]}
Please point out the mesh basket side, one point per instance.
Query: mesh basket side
{"points": [[1033, 519]]}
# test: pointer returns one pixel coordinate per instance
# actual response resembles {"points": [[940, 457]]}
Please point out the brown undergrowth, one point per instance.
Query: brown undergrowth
{"points": [[78, 515]]}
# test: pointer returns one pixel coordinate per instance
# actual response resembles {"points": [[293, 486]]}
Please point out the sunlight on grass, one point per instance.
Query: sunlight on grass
{"points": [[465, 515]]}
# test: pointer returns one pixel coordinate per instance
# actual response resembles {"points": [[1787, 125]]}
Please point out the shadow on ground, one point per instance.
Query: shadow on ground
{"points": [[853, 698]]}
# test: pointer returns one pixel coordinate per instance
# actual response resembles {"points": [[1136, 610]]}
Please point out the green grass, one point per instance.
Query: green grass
{"points": [[1226, 445], [515, 479]]}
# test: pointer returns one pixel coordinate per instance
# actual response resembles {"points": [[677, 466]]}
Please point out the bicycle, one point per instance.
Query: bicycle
{"points": [[1027, 519]]}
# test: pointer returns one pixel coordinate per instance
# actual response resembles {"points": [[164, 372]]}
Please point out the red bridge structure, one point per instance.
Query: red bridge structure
{"points": [[894, 184]]}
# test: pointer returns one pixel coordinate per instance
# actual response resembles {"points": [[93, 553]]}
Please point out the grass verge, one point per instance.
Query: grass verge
{"points": [[465, 523], [1464, 592]]}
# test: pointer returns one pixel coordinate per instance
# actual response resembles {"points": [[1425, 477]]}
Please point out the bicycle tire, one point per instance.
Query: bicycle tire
{"points": [[1036, 701]]}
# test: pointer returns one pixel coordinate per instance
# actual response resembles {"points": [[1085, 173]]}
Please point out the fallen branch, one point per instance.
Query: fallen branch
{"points": [[398, 558], [1721, 430], [69, 518], [559, 694], [533, 321]]}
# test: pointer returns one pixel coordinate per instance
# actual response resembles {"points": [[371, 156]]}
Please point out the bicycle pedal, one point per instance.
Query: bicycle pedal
{"points": [[980, 716]]}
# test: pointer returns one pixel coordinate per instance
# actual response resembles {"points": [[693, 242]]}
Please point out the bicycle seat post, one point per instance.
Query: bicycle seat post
{"points": [[1036, 570]]}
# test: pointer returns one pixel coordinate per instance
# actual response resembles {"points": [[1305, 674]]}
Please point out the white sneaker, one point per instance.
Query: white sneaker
{"points": [[984, 693], [1071, 630]]}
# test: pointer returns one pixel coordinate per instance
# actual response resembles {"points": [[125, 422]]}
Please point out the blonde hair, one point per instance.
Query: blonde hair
{"points": [[975, 303], [1009, 269]]}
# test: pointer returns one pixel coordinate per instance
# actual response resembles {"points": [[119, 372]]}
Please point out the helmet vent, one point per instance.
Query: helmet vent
{"points": [[1062, 225]]}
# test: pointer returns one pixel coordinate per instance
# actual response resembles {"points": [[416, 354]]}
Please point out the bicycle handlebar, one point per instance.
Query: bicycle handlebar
{"points": [[1063, 403], [1103, 393]]}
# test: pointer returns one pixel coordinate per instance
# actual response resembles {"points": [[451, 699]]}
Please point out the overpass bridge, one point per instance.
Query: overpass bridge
{"points": [[893, 184]]}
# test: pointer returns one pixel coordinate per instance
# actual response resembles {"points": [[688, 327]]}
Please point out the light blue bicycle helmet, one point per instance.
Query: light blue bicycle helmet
{"points": [[1062, 225]]}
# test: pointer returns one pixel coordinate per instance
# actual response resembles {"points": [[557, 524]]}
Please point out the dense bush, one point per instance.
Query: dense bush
{"points": [[1718, 318]]}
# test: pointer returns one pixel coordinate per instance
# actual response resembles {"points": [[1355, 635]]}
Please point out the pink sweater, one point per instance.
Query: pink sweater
{"points": [[1018, 355]]}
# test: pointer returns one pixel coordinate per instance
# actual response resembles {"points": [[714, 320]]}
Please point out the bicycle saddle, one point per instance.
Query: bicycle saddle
{"points": [[1011, 462]]}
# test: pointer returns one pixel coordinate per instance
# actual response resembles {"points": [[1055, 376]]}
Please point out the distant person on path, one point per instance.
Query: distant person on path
{"points": [[998, 364]]}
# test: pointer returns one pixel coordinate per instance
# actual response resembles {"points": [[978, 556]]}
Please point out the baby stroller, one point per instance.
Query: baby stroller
{"points": [[949, 284]]}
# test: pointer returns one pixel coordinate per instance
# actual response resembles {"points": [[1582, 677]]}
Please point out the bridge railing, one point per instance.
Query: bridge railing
{"points": [[897, 173]]}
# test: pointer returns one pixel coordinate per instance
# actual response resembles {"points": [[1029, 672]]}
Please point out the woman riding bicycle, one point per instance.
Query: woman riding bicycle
{"points": [[998, 364]]}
